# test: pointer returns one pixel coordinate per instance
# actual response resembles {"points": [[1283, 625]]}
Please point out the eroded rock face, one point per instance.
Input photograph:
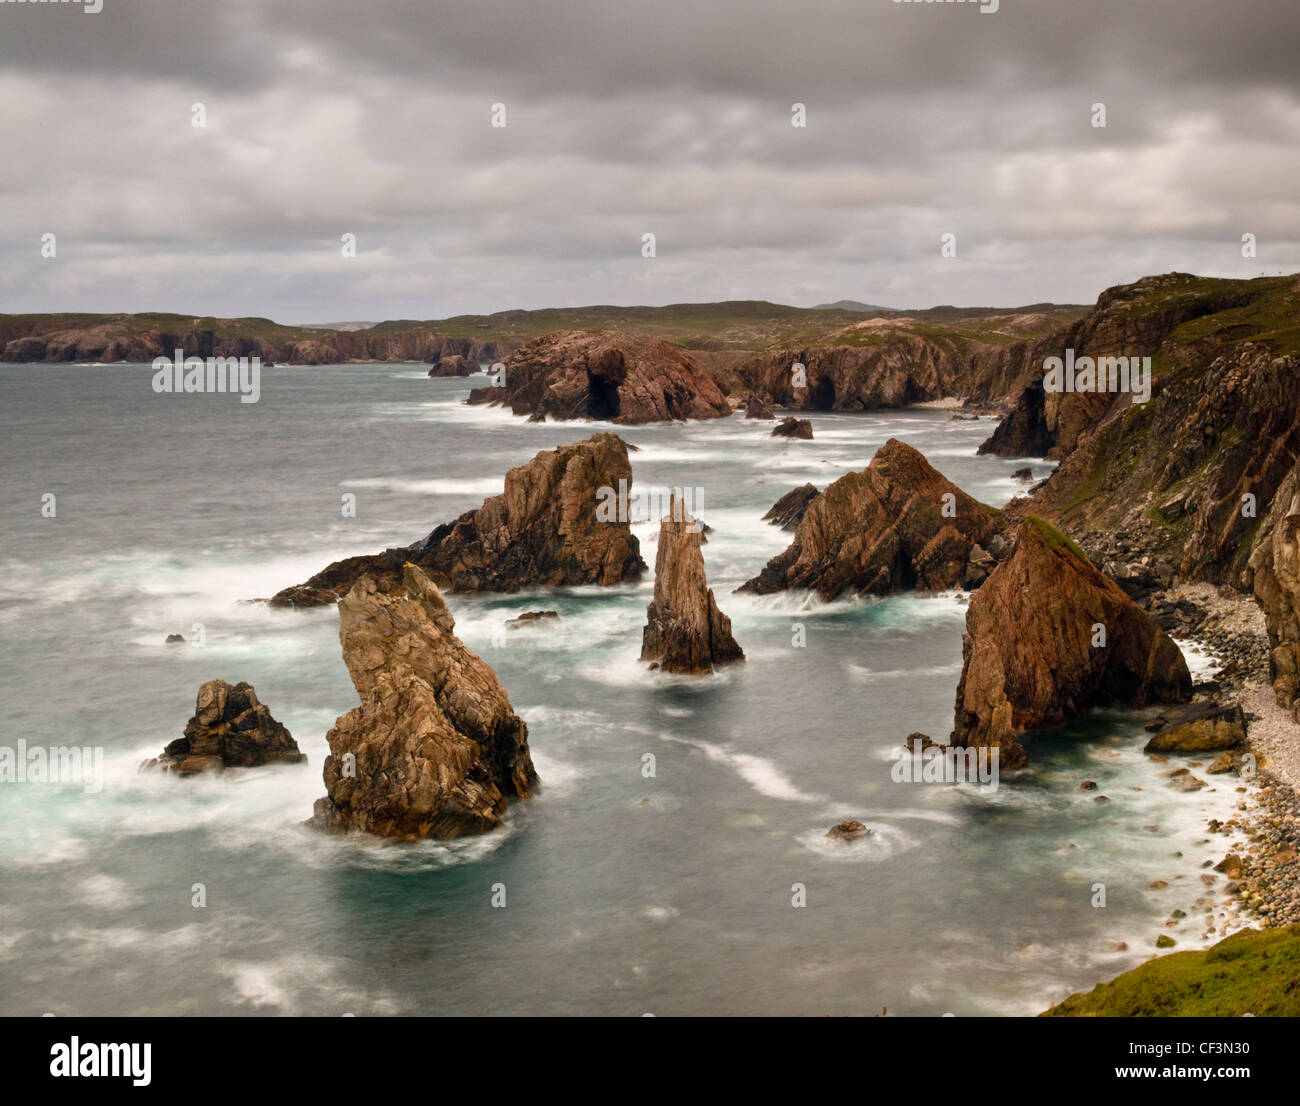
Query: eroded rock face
{"points": [[622, 378], [685, 631], [1028, 656], [434, 749], [897, 524], [788, 511], [230, 729], [1275, 573], [543, 530]]}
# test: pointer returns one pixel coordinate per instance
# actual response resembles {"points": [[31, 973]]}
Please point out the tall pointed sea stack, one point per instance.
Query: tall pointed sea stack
{"points": [[1047, 637], [434, 749], [685, 632]]}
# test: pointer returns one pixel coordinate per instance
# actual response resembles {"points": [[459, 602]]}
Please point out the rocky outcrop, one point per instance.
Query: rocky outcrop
{"points": [[1047, 638], [109, 338], [230, 729], [1197, 728], [544, 530], [897, 524], [685, 631], [1275, 577], [793, 428], [454, 365], [434, 749], [621, 378], [788, 511], [758, 408]]}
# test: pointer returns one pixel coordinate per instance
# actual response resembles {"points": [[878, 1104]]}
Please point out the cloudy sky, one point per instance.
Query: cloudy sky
{"points": [[670, 117]]}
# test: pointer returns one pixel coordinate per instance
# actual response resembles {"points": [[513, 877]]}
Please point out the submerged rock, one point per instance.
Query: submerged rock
{"points": [[434, 749], [685, 631], [622, 378], [897, 524], [230, 729], [175, 639], [532, 618], [1028, 656], [848, 831], [790, 427], [544, 530]]}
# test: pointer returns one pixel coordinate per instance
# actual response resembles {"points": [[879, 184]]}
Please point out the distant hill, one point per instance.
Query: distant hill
{"points": [[850, 305]]}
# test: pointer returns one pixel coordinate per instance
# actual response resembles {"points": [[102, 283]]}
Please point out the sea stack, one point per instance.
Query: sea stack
{"points": [[434, 749], [1048, 637], [542, 531], [230, 729], [685, 632], [896, 525]]}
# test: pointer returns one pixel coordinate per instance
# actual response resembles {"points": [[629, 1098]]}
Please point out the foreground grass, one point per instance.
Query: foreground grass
{"points": [[1256, 971]]}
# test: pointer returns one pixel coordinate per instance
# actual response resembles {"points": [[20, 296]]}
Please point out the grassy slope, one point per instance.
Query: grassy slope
{"points": [[1252, 972]]}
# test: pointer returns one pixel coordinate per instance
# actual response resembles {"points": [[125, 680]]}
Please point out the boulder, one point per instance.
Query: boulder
{"points": [[434, 749], [544, 530], [175, 639], [685, 631], [758, 408], [787, 511], [848, 831], [1028, 658], [897, 524], [791, 427], [230, 729], [614, 377], [1197, 728]]}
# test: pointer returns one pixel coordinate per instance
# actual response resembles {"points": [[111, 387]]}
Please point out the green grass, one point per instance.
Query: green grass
{"points": [[1252, 972], [1055, 538]]}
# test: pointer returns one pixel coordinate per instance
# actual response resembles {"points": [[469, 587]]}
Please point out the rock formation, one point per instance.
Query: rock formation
{"points": [[1197, 728], [434, 749], [454, 365], [532, 618], [621, 378], [685, 632], [758, 408], [793, 428], [1275, 574], [542, 531], [230, 729], [1033, 655], [788, 511], [895, 525]]}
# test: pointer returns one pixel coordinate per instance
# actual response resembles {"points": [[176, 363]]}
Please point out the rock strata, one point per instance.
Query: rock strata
{"points": [[230, 729], [434, 749], [1034, 654], [621, 378], [685, 631], [544, 530], [787, 511], [897, 524]]}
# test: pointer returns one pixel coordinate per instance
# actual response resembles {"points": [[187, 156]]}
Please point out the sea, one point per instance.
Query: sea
{"points": [[674, 860]]}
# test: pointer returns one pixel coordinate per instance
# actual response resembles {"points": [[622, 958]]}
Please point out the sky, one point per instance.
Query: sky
{"points": [[374, 118]]}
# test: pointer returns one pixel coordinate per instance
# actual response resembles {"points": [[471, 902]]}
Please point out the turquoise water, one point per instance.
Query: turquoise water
{"points": [[624, 894]]}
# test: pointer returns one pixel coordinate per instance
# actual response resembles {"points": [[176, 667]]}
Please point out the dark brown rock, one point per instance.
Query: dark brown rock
{"points": [[1275, 574], [787, 511], [685, 631], [544, 530], [434, 749], [845, 832], [793, 428], [758, 408], [230, 729], [621, 378], [886, 529], [532, 618], [1028, 659]]}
